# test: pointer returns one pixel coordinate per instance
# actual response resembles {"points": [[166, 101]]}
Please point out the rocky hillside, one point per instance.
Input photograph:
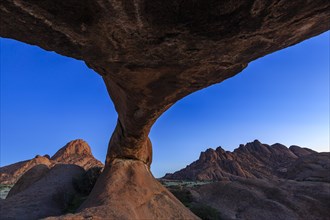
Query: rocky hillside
{"points": [[245, 198], [76, 152], [258, 161]]}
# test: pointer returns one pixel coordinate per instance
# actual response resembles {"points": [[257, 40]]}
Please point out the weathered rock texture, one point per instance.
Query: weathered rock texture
{"points": [[262, 199], [11, 173], [134, 192], [28, 179], [76, 152], [45, 197], [313, 167], [152, 53], [257, 161]]}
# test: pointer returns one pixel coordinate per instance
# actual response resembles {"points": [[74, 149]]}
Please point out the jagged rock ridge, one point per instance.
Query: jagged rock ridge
{"points": [[254, 160], [76, 152]]}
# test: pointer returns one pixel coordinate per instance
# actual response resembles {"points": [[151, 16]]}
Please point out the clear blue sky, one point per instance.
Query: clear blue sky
{"points": [[48, 100]]}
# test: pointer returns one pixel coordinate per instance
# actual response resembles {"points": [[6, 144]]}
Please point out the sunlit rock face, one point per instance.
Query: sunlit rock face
{"points": [[76, 152], [152, 53]]}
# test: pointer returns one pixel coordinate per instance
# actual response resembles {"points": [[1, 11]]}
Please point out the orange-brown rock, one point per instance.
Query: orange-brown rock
{"points": [[11, 173], [134, 193], [152, 53], [253, 160], [76, 152]]}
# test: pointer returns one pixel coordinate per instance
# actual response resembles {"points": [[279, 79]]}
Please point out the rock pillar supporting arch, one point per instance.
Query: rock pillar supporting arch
{"points": [[152, 53]]}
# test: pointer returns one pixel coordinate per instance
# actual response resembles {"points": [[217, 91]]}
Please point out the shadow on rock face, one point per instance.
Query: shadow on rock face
{"points": [[28, 179], [132, 193], [47, 196]]}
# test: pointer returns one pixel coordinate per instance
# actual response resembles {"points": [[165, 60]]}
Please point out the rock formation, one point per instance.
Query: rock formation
{"points": [[76, 152], [28, 179], [135, 189], [257, 161], [10, 174], [255, 181], [312, 167], [46, 197], [300, 151], [152, 53], [262, 199]]}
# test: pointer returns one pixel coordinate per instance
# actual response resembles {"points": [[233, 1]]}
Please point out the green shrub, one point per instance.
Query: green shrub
{"points": [[205, 212], [62, 198], [183, 195], [85, 183], [74, 203]]}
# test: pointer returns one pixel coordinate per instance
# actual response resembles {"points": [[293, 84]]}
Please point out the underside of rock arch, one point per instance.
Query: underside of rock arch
{"points": [[152, 53]]}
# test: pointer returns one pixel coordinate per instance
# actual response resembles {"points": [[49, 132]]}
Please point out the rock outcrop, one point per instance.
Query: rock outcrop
{"points": [[46, 197], [76, 152], [300, 151], [312, 167], [28, 178], [11, 173], [263, 199], [255, 160], [152, 53], [134, 192]]}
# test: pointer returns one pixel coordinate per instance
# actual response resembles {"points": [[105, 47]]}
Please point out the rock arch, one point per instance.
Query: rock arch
{"points": [[152, 53]]}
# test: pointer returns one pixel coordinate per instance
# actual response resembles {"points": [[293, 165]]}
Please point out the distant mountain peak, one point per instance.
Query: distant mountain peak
{"points": [[252, 160], [77, 147], [76, 152]]}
